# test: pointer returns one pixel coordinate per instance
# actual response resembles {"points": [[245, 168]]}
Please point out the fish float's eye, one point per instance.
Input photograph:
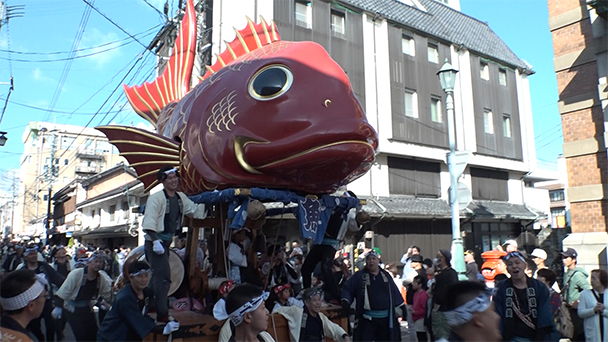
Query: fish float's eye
{"points": [[270, 82]]}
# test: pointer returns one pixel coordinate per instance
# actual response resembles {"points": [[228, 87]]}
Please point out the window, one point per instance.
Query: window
{"points": [[433, 53], [125, 210], [102, 146], [556, 195], [484, 71], [408, 45], [66, 162], [436, 115], [45, 197], [489, 184], [411, 103], [88, 143], [506, 125], [558, 217], [304, 14], [67, 142], [337, 23], [414, 177], [112, 211], [488, 121], [502, 77]]}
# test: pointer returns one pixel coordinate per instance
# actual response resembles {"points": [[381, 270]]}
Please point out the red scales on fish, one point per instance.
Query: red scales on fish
{"points": [[269, 113]]}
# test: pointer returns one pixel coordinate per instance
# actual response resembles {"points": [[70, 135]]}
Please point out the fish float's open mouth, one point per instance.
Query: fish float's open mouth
{"points": [[347, 157]]}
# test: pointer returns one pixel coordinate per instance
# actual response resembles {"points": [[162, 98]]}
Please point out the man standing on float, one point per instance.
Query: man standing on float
{"points": [[163, 217]]}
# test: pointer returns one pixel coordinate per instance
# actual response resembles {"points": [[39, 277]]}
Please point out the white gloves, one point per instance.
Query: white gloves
{"points": [[56, 312], [158, 247], [170, 327]]}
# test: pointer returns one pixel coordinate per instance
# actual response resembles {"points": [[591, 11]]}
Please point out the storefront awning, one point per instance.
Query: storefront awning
{"points": [[120, 230]]}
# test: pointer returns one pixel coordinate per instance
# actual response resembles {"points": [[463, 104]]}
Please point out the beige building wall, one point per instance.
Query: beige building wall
{"points": [[79, 152]]}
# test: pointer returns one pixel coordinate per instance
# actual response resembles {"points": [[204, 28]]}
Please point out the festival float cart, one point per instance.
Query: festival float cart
{"points": [[270, 121]]}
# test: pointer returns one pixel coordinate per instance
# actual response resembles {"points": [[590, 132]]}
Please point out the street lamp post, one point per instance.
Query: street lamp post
{"points": [[447, 78]]}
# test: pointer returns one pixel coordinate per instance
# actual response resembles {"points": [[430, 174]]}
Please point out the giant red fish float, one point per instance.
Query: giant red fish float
{"points": [[268, 113]]}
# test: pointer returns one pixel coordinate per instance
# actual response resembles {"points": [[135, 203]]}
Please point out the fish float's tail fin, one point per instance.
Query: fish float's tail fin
{"points": [[146, 151], [150, 98], [252, 37]]}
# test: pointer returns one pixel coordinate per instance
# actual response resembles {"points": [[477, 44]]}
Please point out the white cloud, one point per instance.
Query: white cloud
{"points": [[38, 76], [94, 39]]}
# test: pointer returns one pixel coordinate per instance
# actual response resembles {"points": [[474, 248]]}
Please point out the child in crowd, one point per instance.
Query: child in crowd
{"points": [[281, 296], [419, 307]]}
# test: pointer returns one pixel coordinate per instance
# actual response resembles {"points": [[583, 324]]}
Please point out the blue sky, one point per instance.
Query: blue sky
{"points": [[49, 88]]}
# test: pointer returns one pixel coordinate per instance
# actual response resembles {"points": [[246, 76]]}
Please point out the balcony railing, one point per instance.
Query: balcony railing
{"points": [[87, 169], [89, 153]]}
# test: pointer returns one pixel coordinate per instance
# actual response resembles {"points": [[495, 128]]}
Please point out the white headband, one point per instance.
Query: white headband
{"points": [[24, 298], [465, 312], [142, 271], [237, 315], [170, 171]]}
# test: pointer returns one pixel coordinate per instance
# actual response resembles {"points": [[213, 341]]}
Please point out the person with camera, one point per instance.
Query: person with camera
{"points": [[593, 307]]}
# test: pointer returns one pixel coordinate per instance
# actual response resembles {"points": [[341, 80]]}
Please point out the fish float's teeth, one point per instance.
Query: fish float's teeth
{"points": [[209, 69], [240, 37], [254, 33], [265, 27]]}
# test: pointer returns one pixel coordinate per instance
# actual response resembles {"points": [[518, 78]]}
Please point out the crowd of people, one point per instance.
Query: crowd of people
{"points": [[74, 286]]}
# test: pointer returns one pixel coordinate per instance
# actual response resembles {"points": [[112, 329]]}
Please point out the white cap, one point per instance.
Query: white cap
{"points": [[510, 242], [539, 253]]}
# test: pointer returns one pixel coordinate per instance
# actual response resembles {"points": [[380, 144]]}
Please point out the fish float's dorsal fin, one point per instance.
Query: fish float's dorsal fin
{"points": [[146, 151], [149, 99], [253, 36]]}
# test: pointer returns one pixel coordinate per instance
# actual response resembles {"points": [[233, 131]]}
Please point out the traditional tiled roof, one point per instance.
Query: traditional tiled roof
{"points": [[444, 23], [412, 207]]}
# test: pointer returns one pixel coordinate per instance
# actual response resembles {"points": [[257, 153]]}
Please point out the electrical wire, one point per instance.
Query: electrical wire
{"points": [[66, 69], [162, 15], [138, 59], [72, 58], [44, 109], [113, 23], [10, 68], [550, 142], [143, 34]]}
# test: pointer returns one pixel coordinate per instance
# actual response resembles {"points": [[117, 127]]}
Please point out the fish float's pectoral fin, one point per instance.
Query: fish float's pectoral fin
{"points": [[146, 151], [253, 36], [149, 99]]}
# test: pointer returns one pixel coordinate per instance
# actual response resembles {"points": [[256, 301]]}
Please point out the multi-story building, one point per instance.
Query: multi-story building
{"points": [[391, 51], [99, 209], [580, 32], [53, 156]]}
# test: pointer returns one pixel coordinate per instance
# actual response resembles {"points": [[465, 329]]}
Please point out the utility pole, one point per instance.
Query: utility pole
{"points": [[14, 191], [51, 173]]}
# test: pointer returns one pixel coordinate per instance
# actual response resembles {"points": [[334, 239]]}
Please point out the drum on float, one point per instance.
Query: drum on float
{"points": [[176, 265]]}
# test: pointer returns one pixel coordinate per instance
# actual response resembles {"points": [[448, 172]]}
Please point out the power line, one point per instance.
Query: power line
{"points": [[142, 34], [52, 111], [550, 142], [115, 24], [74, 57], [66, 69], [138, 59], [162, 15], [559, 125]]}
